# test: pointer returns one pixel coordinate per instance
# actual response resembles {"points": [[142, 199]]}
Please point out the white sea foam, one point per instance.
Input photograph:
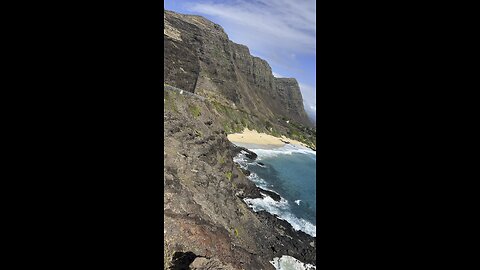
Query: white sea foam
{"points": [[241, 160], [282, 210], [290, 263], [288, 149], [298, 202], [260, 182]]}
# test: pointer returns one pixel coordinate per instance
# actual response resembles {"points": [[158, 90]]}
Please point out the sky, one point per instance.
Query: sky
{"points": [[283, 32]]}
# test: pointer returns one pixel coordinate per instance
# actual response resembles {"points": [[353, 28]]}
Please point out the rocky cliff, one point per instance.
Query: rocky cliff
{"points": [[199, 57], [207, 225], [213, 87]]}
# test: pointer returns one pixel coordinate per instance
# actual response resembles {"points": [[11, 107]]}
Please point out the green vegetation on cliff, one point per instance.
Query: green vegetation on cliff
{"points": [[203, 189], [235, 120]]}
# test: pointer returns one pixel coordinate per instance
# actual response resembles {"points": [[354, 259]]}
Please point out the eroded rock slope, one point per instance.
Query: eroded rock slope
{"points": [[207, 224]]}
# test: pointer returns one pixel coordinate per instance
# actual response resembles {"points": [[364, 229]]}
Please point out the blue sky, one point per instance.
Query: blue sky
{"points": [[283, 32]]}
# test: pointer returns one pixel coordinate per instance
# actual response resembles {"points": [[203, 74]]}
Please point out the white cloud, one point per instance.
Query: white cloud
{"points": [[285, 25], [279, 31]]}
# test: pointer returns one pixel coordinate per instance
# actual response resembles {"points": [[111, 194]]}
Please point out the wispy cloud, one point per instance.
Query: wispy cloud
{"points": [[283, 25], [280, 31]]}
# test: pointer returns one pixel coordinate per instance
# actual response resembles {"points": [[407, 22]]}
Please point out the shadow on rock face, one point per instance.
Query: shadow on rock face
{"points": [[182, 260]]}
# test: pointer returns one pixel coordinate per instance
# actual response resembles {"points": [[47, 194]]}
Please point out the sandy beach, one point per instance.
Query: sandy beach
{"points": [[252, 137]]}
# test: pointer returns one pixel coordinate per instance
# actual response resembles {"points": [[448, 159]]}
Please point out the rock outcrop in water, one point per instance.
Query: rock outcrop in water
{"points": [[207, 224]]}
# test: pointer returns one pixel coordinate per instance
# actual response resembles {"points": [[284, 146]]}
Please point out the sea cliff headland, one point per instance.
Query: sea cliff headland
{"points": [[214, 88]]}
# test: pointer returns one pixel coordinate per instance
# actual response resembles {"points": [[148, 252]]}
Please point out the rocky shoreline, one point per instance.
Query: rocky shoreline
{"points": [[207, 223], [205, 217], [279, 225]]}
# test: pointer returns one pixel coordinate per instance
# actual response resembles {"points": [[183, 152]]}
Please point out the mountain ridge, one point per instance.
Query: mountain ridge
{"points": [[200, 58]]}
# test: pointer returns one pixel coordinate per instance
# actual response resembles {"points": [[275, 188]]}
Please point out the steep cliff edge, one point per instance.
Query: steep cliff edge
{"points": [[206, 222], [291, 98], [225, 89], [199, 57]]}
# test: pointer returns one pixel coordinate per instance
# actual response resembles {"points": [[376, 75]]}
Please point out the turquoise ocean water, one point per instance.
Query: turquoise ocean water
{"points": [[290, 172]]}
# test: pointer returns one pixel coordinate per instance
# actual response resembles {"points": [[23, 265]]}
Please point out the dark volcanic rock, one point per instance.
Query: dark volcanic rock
{"points": [[182, 260], [291, 99], [199, 57], [203, 190], [272, 194], [248, 153], [246, 172], [207, 225], [296, 247]]}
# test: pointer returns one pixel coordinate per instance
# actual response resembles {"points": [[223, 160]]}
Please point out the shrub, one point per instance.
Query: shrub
{"points": [[195, 111]]}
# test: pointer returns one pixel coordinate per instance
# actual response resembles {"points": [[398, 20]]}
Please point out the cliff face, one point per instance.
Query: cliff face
{"points": [[199, 57], [206, 223], [291, 98]]}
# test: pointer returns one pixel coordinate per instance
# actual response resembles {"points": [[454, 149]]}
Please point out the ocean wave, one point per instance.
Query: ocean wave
{"points": [[290, 263], [284, 150], [241, 160], [260, 182], [283, 212], [281, 208]]}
